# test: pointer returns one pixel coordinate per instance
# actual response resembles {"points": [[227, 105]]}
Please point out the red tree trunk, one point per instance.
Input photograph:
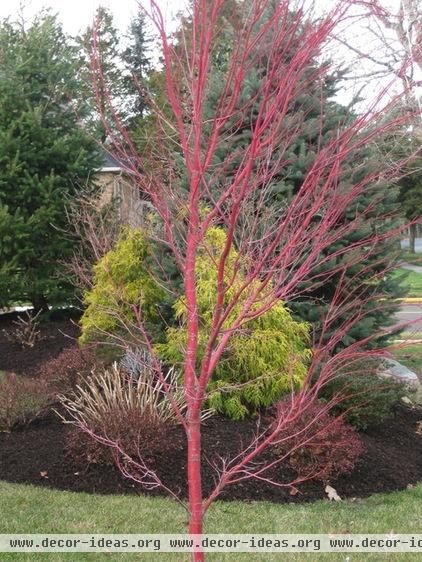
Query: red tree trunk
{"points": [[195, 480]]}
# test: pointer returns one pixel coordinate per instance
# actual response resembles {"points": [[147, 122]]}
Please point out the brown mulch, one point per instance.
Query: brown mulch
{"points": [[392, 460], [56, 335], [36, 454]]}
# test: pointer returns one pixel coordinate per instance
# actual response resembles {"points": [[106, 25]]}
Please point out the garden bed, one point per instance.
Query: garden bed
{"points": [[56, 335], [36, 454], [392, 460]]}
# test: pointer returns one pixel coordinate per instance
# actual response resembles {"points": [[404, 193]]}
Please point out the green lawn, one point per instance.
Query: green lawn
{"points": [[412, 281], [411, 258], [411, 356], [30, 509]]}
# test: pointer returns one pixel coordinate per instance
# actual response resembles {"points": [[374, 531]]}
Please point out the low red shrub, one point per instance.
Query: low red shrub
{"points": [[21, 400], [62, 373], [137, 434], [323, 445]]}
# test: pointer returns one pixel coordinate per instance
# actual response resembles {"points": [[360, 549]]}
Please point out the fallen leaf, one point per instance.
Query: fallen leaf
{"points": [[317, 450], [293, 491], [44, 473], [419, 427], [332, 493]]}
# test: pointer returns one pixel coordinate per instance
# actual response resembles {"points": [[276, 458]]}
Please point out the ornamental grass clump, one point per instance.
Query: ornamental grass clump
{"points": [[113, 406]]}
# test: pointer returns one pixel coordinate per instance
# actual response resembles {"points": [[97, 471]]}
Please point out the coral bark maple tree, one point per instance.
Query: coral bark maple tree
{"points": [[192, 190]]}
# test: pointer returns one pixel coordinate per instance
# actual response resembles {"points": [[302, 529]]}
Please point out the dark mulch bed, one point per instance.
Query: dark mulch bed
{"points": [[56, 334], [392, 460], [36, 454]]}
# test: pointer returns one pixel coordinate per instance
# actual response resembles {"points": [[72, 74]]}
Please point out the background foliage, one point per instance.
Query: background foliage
{"points": [[45, 156], [264, 360]]}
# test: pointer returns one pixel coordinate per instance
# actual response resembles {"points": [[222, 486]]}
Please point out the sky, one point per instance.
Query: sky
{"points": [[76, 15]]}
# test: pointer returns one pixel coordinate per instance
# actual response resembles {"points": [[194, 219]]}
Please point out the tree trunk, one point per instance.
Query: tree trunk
{"points": [[195, 480], [39, 303], [412, 238]]}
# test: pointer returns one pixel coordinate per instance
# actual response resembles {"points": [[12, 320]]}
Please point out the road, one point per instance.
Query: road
{"points": [[411, 267], [410, 312]]}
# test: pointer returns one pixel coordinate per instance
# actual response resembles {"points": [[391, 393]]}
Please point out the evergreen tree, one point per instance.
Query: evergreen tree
{"points": [[100, 82], [137, 59], [123, 78], [315, 117], [311, 307], [45, 156], [411, 197]]}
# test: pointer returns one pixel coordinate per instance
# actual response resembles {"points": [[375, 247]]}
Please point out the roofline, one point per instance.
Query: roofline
{"points": [[109, 169]]}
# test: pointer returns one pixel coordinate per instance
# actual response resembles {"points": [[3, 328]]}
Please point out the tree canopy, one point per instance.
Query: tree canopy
{"points": [[45, 156]]}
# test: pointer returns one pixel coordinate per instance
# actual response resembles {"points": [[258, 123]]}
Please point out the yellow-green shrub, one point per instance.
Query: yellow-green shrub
{"points": [[122, 284], [262, 360]]}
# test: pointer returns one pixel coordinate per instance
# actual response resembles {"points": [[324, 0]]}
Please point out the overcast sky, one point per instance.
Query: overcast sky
{"points": [[77, 14]]}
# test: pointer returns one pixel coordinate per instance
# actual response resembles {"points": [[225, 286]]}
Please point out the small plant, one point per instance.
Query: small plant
{"points": [[21, 400], [62, 373], [113, 405], [135, 362], [26, 333], [317, 444], [367, 399], [122, 286], [262, 361]]}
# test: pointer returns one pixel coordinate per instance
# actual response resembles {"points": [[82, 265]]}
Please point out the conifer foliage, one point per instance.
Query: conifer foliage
{"points": [[44, 157], [264, 361]]}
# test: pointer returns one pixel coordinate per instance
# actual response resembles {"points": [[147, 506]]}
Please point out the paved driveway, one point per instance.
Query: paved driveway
{"points": [[410, 312]]}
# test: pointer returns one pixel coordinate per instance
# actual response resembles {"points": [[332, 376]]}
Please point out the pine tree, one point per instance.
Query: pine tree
{"points": [[317, 117], [137, 59], [99, 83], [311, 307], [45, 156]]}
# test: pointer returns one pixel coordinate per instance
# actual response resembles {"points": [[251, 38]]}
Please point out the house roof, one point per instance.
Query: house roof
{"points": [[110, 163]]}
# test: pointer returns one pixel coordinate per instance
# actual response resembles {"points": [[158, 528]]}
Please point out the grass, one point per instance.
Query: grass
{"points": [[409, 257], [27, 509], [411, 357], [410, 280]]}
